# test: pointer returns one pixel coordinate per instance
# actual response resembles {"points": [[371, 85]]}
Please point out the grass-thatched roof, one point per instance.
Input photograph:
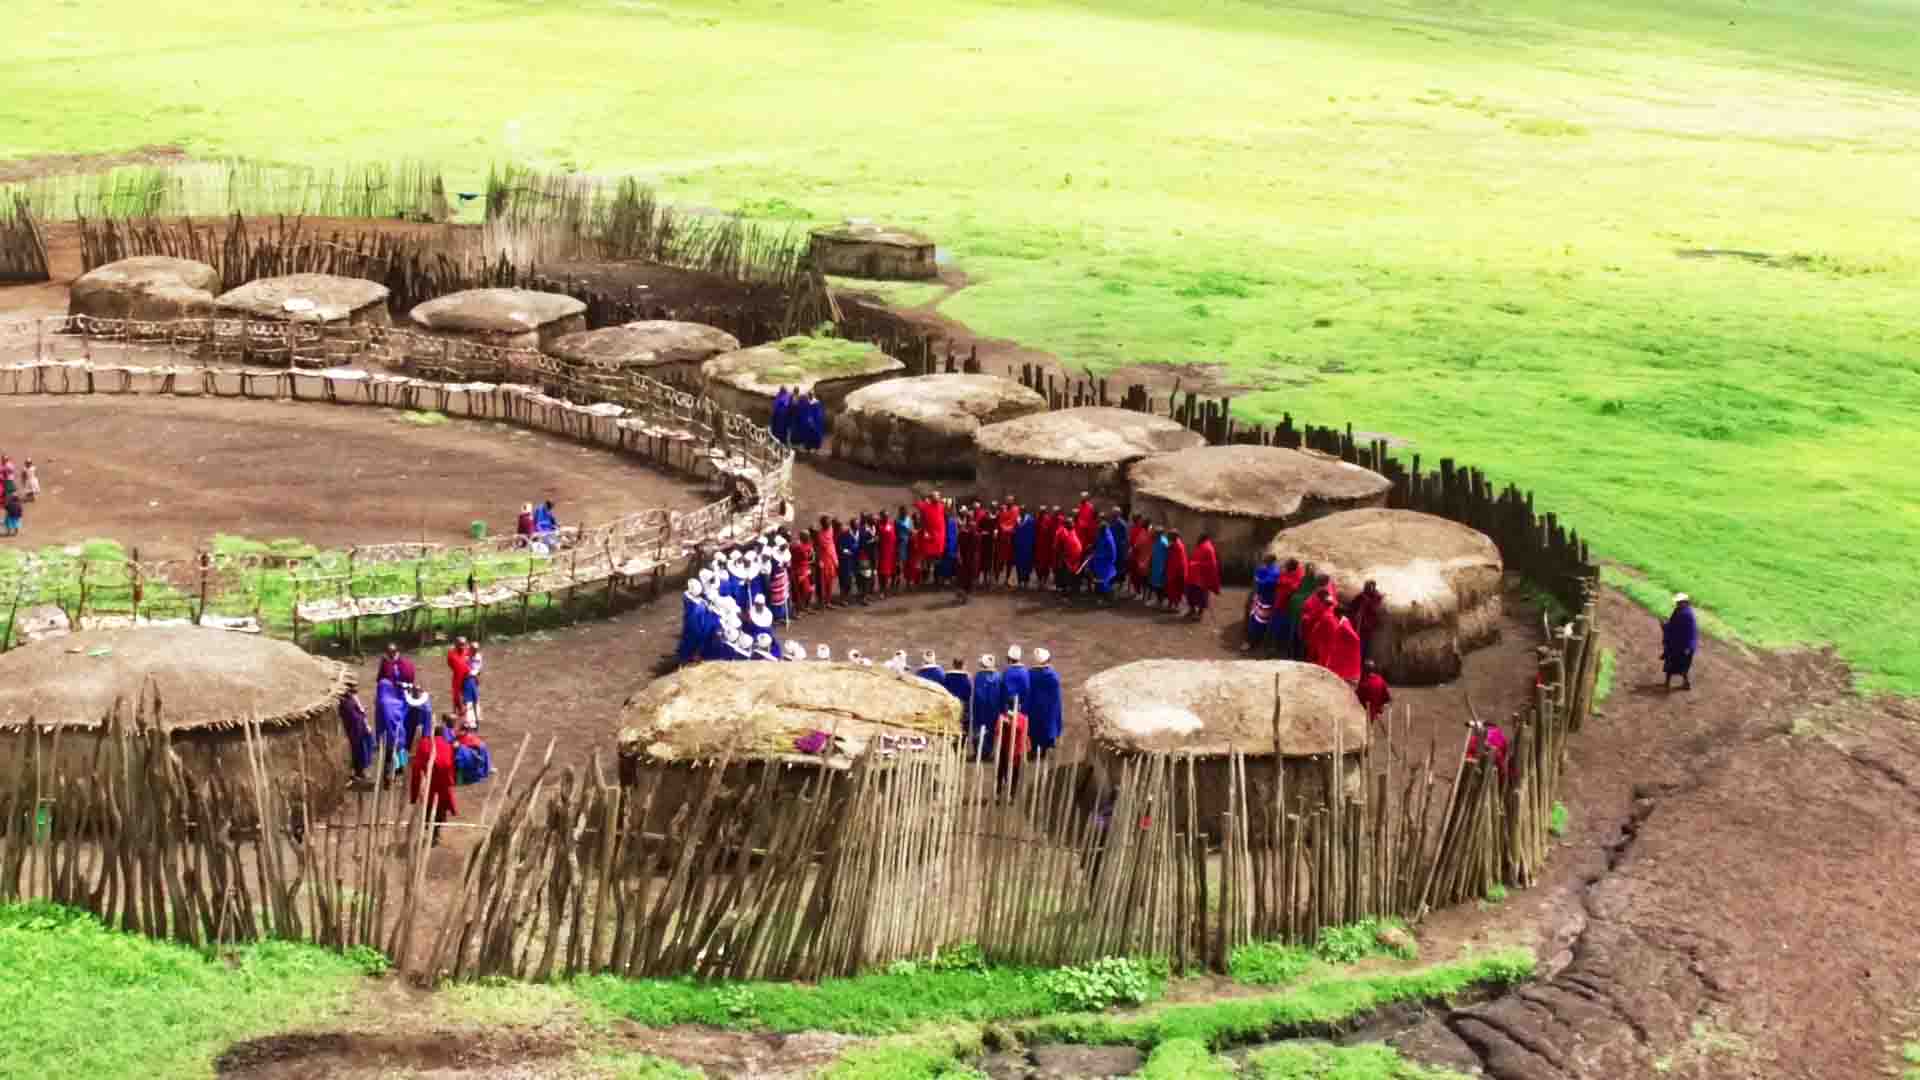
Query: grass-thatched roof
{"points": [[495, 311], [1428, 567], [1091, 436], [800, 362], [758, 708], [1254, 481], [321, 297], [206, 679], [644, 344], [1212, 708]]}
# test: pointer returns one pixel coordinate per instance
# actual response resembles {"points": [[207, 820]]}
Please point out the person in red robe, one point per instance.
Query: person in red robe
{"points": [[1004, 524], [1085, 520], [1203, 576], [431, 769], [1068, 557], [460, 666], [826, 544], [1176, 567], [1342, 648], [1139, 555], [887, 554], [802, 571], [1373, 692], [933, 528], [1311, 618], [1367, 609], [1046, 528], [969, 555], [1489, 739]]}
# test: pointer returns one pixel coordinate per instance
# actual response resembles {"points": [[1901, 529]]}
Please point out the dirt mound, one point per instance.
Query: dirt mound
{"points": [[517, 318], [1212, 708], [1441, 581], [205, 678], [308, 298], [1242, 495], [149, 287], [746, 380], [760, 708], [927, 424]]}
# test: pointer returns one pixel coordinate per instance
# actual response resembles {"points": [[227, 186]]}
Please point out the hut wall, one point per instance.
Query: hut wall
{"points": [[832, 392], [537, 338], [884, 441], [1422, 653], [1240, 539], [868, 259], [1037, 483]]}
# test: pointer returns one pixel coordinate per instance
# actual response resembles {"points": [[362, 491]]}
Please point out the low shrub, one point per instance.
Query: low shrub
{"points": [[1112, 980], [1268, 963]]}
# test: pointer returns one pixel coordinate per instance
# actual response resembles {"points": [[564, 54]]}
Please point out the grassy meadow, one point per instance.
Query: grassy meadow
{"points": [[1459, 224]]}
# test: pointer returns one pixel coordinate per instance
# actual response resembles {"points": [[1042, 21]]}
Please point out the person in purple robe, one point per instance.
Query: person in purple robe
{"points": [[1679, 638], [353, 718], [782, 415]]}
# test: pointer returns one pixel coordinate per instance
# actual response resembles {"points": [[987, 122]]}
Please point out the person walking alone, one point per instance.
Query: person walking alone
{"points": [[1679, 638]]}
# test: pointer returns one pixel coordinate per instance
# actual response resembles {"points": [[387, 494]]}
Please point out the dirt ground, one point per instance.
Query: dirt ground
{"points": [[166, 474]]}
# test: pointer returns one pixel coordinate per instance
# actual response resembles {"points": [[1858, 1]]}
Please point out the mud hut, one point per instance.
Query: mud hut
{"points": [[745, 381], [755, 714], [1211, 709], [1244, 494], [1049, 458], [209, 685], [504, 318], [661, 349], [316, 298], [152, 288], [1441, 580], [925, 425], [865, 250]]}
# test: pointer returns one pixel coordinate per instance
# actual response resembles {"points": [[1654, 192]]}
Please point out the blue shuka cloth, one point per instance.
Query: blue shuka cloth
{"points": [[1014, 686], [1025, 535], [986, 709], [817, 424], [960, 686], [1118, 527], [1679, 637], [544, 521], [353, 719], [472, 764], [933, 673], [1157, 569], [782, 419], [902, 540], [695, 624], [420, 718], [1105, 560], [1043, 711], [390, 710], [950, 556]]}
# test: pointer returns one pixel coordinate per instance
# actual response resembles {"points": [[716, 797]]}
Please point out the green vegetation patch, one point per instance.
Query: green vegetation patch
{"points": [[83, 1000], [1319, 1061], [1184, 1059], [1603, 680], [819, 356]]}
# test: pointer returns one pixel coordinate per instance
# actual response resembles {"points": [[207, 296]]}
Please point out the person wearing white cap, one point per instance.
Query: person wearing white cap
{"points": [[1043, 702], [1679, 639], [985, 710], [763, 648], [696, 623], [1014, 684], [823, 653], [738, 646], [794, 650], [897, 662], [760, 616], [930, 669]]}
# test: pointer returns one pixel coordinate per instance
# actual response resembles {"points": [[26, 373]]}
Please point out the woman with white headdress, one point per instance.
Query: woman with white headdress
{"points": [[931, 670], [985, 711], [738, 644], [822, 653], [793, 650], [696, 622], [897, 662], [1043, 704], [777, 583], [764, 648], [760, 618]]}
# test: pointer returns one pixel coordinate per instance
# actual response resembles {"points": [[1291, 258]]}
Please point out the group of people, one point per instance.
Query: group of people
{"points": [[19, 485], [403, 737], [536, 524], [1295, 612], [799, 419], [939, 543]]}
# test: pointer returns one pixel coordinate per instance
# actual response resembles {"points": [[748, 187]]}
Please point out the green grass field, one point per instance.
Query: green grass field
{"points": [[1456, 223]]}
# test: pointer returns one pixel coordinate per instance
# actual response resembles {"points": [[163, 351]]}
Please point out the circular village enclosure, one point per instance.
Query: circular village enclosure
{"points": [[838, 799]]}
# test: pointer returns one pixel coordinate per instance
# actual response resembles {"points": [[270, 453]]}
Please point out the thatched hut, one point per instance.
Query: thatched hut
{"points": [[1243, 494], [1441, 581], [1212, 709], [746, 381], [209, 684], [661, 349], [504, 318], [865, 250], [925, 425], [314, 298], [755, 713], [1049, 458], [151, 288]]}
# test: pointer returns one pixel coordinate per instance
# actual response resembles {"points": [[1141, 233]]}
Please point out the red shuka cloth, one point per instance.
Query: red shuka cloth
{"points": [[461, 665], [1045, 532], [888, 548], [1343, 648], [1373, 693], [1067, 550], [802, 570], [435, 754], [1177, 569], [1084, 522], [1203, 568]]}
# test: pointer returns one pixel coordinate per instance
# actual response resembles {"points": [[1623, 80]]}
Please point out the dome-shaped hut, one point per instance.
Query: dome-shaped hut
{"points": [[757, 715], [661, 349], [1214, 709], [504, 318], [312, 298], [866, 250], [1049, 458], [208, 684], [746, 381], [925, 425], [1242, 495], [1441, 583], [151, 288]]}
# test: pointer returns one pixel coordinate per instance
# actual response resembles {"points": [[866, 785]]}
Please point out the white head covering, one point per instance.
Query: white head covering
{"points": [[864, 662], [821, 652], [930, 658], [854, 657], [795, 650], [694, 590], [526, 508], [763, 640], [707, 575], [987, 662], [898, 662], [759, 600], [782, 556], [1013, 654], [761, 616], [1041, 656], [1681, 598]]}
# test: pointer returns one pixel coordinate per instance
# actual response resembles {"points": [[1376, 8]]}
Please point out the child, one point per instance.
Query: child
{"points": [[14, 513], [32, 481], [470, 688]]}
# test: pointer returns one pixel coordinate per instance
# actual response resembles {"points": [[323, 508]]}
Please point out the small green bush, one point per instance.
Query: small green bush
{"points": [[1496, 894], [1268, 963], [1557, 821], [369, 960], [1184, 1059], [1355, 942], [1112, 980]]}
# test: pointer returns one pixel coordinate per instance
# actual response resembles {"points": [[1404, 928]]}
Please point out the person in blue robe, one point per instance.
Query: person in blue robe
{"points": [[390, 712], [695, 622], [353, 719], [1679, 639], [544, 522], [985, 712], [902, 541], [1043, 707], [419, 714], [960, 686], [1118, 527], [1025, 536], [760, 623], [782, 415], [930, 668], [1014, 686], [1157, 568], [1266, 582], [950, 555], [1105, 562], [816, 423]]}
